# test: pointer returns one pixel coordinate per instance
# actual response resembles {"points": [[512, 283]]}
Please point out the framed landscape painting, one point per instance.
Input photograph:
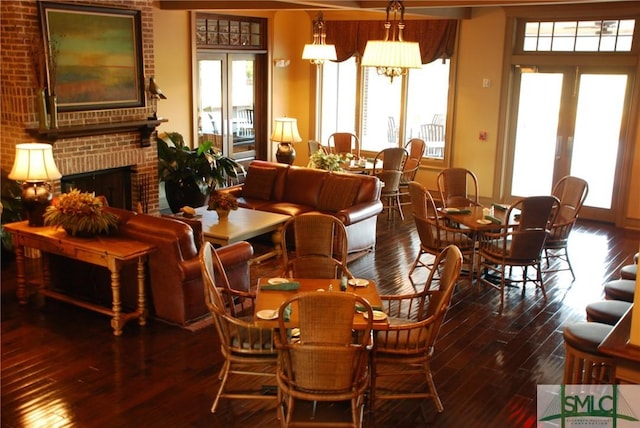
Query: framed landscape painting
{"points": [[93, 56]]}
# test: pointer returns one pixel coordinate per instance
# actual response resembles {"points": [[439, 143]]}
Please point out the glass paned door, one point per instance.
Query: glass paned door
{"points": [[210, 101], [241, 96], [226, 103], [569, 122]]}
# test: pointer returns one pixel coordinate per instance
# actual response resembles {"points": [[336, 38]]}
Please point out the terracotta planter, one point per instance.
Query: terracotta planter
{"points": [[223, 214]]}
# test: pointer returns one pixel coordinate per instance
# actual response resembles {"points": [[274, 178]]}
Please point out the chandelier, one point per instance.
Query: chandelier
{"points": [[318, 52], [392, 56]]}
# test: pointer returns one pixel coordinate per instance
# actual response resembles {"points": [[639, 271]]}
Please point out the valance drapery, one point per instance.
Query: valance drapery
{"points": [[436, 37]]}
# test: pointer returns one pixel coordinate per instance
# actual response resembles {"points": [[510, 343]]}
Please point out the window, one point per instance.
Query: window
{"points": [[427, 106], [613, 35], [338, 98], [383, 120], [229, 32]]}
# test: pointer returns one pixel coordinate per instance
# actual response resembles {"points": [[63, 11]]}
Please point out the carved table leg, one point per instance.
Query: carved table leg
{"points": [[116, 322], [142, 311], [21, 292]]}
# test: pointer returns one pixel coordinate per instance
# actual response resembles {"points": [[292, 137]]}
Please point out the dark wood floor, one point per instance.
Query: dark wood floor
{"points": [[61, 366]]}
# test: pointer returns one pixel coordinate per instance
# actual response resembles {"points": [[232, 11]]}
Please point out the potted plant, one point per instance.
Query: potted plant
{"points": [[10, 207], [329, 161], [190, 175], [80, 214]]}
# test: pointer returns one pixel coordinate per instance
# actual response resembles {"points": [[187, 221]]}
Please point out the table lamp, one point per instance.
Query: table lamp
{"points": [[34, 167], [285, 133]]}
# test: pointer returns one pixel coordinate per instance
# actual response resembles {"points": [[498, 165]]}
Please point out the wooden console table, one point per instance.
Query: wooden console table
{"points": [[112, 252]]}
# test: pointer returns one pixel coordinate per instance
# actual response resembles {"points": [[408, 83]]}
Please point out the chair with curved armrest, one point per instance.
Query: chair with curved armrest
{"points": [[572, 192], [434, 233], [327, 362], [388, 167], [344, 142], [458, 187], [518, 243], [406, 346], [319, 244], [247, 349], [416, 148]]}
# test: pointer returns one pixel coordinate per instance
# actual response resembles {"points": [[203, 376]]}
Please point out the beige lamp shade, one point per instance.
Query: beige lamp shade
{"points": [[392, 54], [285, 130], [34, 163], [317, 54]]}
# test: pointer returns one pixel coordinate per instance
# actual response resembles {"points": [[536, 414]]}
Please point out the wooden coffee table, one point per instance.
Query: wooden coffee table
{"points": [[242, 225]]}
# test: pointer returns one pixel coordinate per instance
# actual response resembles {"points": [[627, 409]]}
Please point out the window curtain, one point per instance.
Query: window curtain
{"points": [[436, 37]]}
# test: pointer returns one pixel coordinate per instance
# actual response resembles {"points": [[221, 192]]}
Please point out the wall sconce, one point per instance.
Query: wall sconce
{"points": [[281, 63], [285, 133], [392, 57], [34, 167], [318, 52]]}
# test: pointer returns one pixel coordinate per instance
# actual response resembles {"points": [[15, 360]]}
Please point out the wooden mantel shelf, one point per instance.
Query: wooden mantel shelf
{"points": [[145, 127]]}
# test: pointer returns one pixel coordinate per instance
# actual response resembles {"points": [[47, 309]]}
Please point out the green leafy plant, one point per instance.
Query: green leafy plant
{"points": [[177, 161], [329, 161], [11, 201], [80, 214]]}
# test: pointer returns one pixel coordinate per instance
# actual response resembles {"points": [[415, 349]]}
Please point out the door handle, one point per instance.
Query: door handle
{"points": [[559, 140], [569, 145]]}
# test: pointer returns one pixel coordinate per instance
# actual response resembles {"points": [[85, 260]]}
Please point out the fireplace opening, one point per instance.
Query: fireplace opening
{"points": [[114, 184]]}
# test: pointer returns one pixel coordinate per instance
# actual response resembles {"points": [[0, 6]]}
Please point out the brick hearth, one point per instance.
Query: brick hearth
{"points": [[20, 31]]}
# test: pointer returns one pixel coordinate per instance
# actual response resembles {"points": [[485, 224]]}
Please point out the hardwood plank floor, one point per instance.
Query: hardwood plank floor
{"points": [[62, 367]]}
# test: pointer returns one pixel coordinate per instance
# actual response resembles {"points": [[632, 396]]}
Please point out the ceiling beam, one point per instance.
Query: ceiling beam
{"points": [[435, 8]]}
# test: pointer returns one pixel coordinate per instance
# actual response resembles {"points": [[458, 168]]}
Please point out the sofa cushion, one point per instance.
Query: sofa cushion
{"points": [[259, 182], [304, 185], [338, 193]]}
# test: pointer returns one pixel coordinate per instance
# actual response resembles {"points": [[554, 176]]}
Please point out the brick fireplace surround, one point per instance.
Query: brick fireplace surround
{"points": [[19, 31]]}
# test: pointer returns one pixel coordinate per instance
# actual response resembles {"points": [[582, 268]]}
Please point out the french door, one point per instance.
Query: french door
{"points": [[226, 103], [569, 121]]}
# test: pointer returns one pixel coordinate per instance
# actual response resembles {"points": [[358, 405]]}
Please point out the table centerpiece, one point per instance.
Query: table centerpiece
{"points": [[222, 203], [80, 214]]}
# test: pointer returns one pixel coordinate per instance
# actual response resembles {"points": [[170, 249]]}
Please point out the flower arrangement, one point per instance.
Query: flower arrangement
{"points": [[222, 201], [80, 214], [329, 161]]}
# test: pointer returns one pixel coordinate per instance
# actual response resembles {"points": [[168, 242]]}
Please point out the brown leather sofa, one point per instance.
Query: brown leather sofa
{"points": [[353, 198], [175, 290]]}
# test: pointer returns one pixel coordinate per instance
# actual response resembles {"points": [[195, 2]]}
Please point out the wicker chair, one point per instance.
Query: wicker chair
{"points": [[390, 172], [247, 348], [327, 362], [572, 192], [320, 247], [416, 148], [406, 347], [344, 142], [518, 243], [434, 233], [455, 185]]}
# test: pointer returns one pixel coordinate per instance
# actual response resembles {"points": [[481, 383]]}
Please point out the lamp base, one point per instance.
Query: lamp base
{"points": [[285, 153], [36, 197]]}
